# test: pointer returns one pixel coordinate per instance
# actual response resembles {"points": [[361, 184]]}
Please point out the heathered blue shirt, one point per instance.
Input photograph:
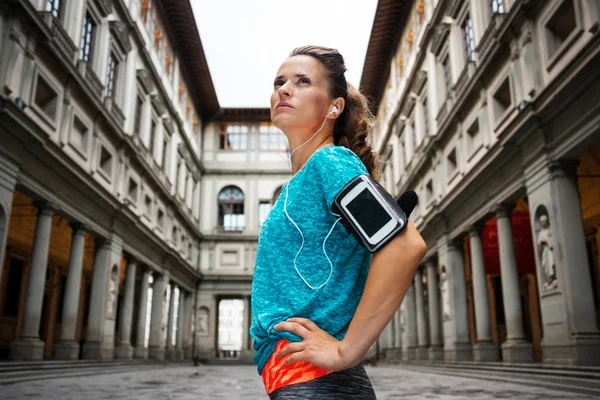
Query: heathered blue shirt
{"points": [[278, 292]]}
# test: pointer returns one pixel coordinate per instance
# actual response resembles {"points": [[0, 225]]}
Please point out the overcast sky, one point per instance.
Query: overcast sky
{"points": [[246, 41]]}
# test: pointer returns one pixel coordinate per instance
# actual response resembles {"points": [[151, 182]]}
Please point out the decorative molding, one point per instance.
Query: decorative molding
{"points": [[440, 33], [120, 31], [144, 76], [104, 6], [419, 81], [454, 8], [409, 104], [158, 103]]}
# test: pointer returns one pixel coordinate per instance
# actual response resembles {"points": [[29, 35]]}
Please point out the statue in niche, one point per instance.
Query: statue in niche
{"points": [[445, 289], [545, 244], [112, 292], [203, 321]]}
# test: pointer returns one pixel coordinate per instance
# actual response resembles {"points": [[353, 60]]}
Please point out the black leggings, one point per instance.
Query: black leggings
{"points": [[352, 383]]}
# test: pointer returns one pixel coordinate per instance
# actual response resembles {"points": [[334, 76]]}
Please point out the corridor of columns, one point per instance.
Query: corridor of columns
{"points": [[52, 303], [496, 291]]}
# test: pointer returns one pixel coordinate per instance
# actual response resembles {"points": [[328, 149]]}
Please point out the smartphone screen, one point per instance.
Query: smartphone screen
{"points": [[368, 213]]}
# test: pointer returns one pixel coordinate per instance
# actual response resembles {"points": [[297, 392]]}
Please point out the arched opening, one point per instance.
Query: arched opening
{"points": [[231, 216]]}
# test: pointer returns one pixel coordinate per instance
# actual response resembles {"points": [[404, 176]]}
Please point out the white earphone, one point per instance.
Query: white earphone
{"points": [[334, 109]]}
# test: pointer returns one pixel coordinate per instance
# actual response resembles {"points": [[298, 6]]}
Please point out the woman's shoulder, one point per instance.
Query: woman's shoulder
{"points": [[336, 155]]}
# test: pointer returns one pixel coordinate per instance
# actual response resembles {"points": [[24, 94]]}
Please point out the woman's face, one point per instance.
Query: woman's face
{"points": [[300, 98]]}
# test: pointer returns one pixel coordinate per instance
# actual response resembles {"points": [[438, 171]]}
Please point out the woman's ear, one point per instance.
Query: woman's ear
{"points": [[339, 104]]}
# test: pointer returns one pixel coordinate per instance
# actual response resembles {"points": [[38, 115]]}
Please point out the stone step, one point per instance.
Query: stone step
{"points": [[585, 372], [583, 384], [24, 376]]}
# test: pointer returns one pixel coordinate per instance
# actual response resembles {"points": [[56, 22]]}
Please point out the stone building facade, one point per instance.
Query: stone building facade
{"points": [[490, 111], [102, 105]]}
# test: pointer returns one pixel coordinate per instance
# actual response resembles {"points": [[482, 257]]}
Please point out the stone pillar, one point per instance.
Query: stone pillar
{"points": [[484, 349], [247, 353], [170, 348], [8, 180], [67, 348], [140, 350], [564, 283], [156, 342], [435, 329], [409, 342], [422, 338], [457, 346], [515, 348], [28, 345], [124, 349], [188, 339], [180, 326], [99, 344]]}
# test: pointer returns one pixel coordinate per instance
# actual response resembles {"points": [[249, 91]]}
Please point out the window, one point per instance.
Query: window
{"points": [[413, 130], [447, 72], [111, 79], [165, 152], [177, 172], [473, 137], [264, 207], [55, 7], [502, 99], [469, 39], [429, 192], [152, 138], [160, 219], [79, 135], [106, 161], [231, 209], [233, 137], [87, 38], [137, 122], [451, 163], [132, 191], [147, 205], [497, 6], [425, 118], [271, 137], [560, 26], [46, 98]]}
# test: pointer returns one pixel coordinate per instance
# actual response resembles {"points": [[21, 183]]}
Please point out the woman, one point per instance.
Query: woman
{"points": [[319, 300]]}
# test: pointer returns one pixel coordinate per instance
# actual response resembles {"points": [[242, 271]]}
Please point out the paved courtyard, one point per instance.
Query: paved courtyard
{"points": [[207, 382]]}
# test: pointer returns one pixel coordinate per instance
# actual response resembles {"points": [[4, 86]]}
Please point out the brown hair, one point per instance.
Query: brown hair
{"points": [[352, 127]]}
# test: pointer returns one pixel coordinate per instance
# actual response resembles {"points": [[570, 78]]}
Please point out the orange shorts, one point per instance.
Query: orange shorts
{"points": [[276, 374]]}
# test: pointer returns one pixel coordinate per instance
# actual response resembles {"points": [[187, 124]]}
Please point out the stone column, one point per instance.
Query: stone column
{"points": [[515, 348], [457, 346], [246, 353], [28, 346], [8, 181], [422, 338], [99, 344], [170, 348], [67, 348], [188, 340], [484, 349], [140, 350], [409, 342], [156, 342], [564, 283], [435, 329], [180, 326], [124, 349]]}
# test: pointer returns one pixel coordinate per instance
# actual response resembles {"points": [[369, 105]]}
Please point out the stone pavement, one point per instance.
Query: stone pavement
{"points": [[242, 382]]}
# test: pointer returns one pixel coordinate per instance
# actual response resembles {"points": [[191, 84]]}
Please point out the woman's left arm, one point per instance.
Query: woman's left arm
{"points": [[390, 275]]}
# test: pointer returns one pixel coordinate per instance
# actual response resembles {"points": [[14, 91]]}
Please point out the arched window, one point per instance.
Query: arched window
{"points": [[231, 209]]}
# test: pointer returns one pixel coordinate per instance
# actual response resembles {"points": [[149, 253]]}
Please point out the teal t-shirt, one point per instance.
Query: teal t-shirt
{"points": [[278, 291]]}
